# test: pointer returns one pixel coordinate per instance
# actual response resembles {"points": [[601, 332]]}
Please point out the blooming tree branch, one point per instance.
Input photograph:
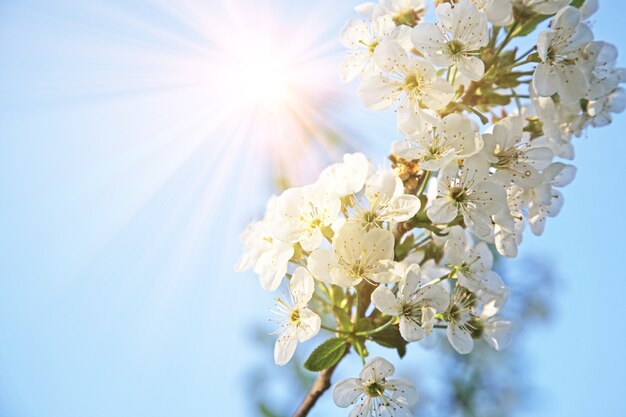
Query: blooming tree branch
{"points": [[390, 256]]}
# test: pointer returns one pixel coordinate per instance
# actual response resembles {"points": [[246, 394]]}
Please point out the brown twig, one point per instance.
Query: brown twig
{"points": [[320, 385], [400, 230]]}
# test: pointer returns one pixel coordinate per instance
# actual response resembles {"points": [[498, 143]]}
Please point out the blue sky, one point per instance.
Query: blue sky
{"points": [[121, 209]]}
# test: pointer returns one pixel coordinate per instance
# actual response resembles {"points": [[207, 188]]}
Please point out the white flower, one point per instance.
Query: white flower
{"points": [[559, 123], [455, 137], [508, 230], [416, 303], [402, 12], [473, 264], [357, 255], [461, 321], [455, 39], [499, 12], [387, 201], [299, 323], [410, 81], [600, 111], [464, 324], [265, 254], [544, 200], [599, 58], [361, 39], [516, 159], [496, 332], [559, 47], [526, 8], [466, 191], [302, 214], [588, 8], [347, 177], [374, 394]]}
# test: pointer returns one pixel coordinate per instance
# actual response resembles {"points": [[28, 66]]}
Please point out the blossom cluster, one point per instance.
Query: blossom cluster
{"points": [[390, 256]]}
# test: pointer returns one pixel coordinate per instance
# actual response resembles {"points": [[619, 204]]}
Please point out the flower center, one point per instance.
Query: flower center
{"points": [[455, 47], [458, 194], [407, 309], [453, 314], [409, 17], [370, 219], [315, 223], [505, 157], [372, 46], [412, 83], [295, 316], [375, 389], [358, 270]]}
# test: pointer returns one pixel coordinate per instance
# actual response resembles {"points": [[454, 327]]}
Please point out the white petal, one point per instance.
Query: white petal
{"points": [[352, 65], [402, 208], [435, 296], [498, 334], [456, 246], [362, 409], [321, 262], [400, 389], [545, 80], [442, 211], [378, 92], [549, 7], [472, 67], [573, 83], [302, 285], [347, 392], [352, 243], [377, 368], [560, 174], [272, 265], [355, 33], [389, 55], [384, 300], [284, 348], [382, 186], [313, 240], [478, 222], [412, 280], [544, 41], [410, 330], [340, 277], [309, 326], [566, 19], [438, 94], [427, 38], [460, 340], [461, 134]]}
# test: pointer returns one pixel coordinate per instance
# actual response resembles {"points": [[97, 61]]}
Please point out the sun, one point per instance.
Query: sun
{"points": [[267, 83], [274, 80]]}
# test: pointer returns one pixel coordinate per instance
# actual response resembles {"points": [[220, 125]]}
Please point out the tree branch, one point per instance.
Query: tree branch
{"points": [[320, 385]]}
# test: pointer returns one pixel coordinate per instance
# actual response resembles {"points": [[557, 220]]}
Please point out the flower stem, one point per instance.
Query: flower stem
{"points": [[510, 35], [330, 329], [376, 330]]}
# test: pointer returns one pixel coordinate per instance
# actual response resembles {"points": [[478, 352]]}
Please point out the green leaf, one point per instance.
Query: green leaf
{"points": [[326, 355], [391, 338]]}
